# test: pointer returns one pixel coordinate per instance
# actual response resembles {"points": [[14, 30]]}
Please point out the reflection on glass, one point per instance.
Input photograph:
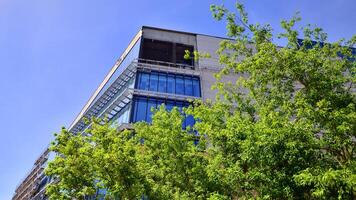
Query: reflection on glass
{"points": [[153, 81], [141, 109], [169, 83], [179, 85], [188, 86], [143, 79], [150, 106], [196, 87], [162, 82]]}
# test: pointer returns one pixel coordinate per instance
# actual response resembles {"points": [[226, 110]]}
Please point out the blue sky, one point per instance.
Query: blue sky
{"points": [[54, 53]]}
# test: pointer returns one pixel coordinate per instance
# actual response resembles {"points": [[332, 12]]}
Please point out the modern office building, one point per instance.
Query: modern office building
{"points": [[151, 71], [33, 185]]}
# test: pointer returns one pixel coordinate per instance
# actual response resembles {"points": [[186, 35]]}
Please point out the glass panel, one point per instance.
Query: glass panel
{"points": [[134, 110], [153, 81], [143, 81], [196, 87], [151, 105], [189, 121], [171, 84], [141, 109], [188, 86], [169, 105], [179, 105], [159, 103], [162, 82], [179, 85]]}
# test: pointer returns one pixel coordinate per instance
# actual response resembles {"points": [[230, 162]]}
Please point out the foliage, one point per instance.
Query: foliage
{"points": [[292, 126], [284, 130]]}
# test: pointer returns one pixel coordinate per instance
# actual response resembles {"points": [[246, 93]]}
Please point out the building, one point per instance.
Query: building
{"points": [[33, 185], [151, 71]]}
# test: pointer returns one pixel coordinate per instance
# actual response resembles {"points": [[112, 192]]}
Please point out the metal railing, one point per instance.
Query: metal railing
{"points": [[107, 105], [168, 64]]}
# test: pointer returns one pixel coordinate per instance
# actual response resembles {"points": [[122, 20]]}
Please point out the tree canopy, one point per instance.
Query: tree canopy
{"points": [[284, 130]]}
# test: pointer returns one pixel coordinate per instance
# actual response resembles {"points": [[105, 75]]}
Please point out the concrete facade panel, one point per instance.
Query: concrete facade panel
{"points": [[169, 36]]}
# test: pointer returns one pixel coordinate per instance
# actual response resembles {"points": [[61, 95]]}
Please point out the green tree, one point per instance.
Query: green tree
{"points": [[100, 158], [284, 130]]}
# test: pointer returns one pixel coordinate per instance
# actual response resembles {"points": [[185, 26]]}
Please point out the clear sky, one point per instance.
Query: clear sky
{"points": [[54, 53]]}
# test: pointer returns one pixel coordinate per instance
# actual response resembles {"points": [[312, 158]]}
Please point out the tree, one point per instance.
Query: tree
{"points": [[284, 130], [290, 132]]}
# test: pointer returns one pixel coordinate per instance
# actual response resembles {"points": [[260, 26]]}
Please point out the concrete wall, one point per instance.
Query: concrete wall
{"points": [[209, 66], [209, 44], [170, 36]]}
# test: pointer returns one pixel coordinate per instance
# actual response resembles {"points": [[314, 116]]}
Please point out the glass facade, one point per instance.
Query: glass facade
{"points": [[169, 83], [142, 109], [123, 116]]}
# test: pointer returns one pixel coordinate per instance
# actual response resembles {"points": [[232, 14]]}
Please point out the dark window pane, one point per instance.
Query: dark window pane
{"points": [[143, 81], [162, 82], [196, 87], [179, 85], [157, 50], [188, 86], [153, 81], [141, 109], [171, 84], [180, 52]]}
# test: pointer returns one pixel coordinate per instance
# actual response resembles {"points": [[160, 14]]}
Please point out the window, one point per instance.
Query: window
{"points": [[166, 51], [152, 103], [188, 86], [157, 50], [169, 83], [160, 102], [143, 80], [169, 105], [162, 82], [196, 87], [180, 52], [153, 81], [179, 85], [142, 110]]}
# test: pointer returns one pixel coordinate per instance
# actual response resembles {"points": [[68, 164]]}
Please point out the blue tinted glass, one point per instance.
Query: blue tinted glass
{"points": [[153, 81], [171, 84], [189, 120], [143, 81], [188, 86], [151, 105], [162, 82], [141, 109], [179, 85], [169, 105], [159, 103], [196, 87], [179, 105], [134, 111]]}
